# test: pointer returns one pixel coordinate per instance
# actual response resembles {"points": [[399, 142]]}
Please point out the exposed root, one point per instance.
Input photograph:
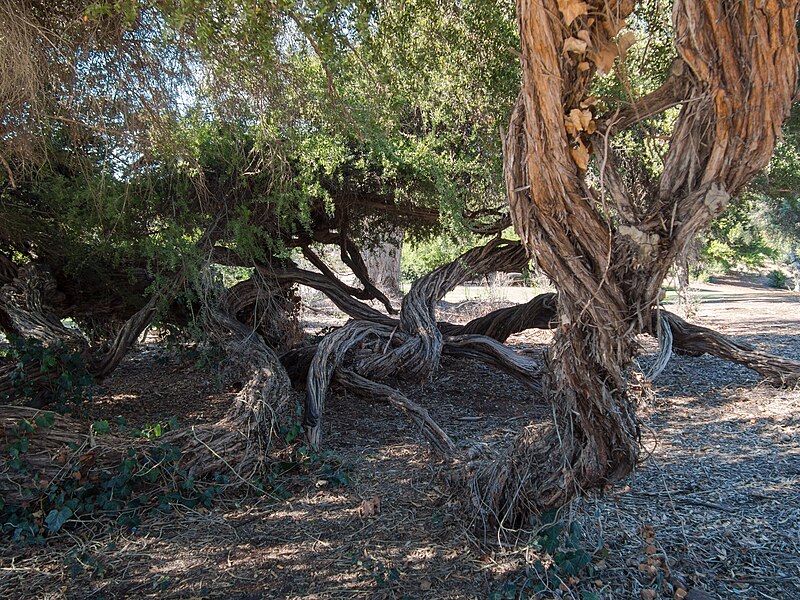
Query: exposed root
{"points": [[696, 340], [329, 356], [487, 350], [673, 333], [413, 347], [362, 386], [588, 444], [538, 313], [24, 303]]}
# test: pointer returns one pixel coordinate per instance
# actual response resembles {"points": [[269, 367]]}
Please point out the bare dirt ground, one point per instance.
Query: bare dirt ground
{"points": [[714, 507]]}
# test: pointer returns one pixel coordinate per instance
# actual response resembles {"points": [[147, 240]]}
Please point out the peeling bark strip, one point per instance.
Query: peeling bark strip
{"points": [[736, 78]]}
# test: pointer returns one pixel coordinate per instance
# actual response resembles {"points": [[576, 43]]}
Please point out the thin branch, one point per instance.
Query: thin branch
{"points": [[671, 93]]}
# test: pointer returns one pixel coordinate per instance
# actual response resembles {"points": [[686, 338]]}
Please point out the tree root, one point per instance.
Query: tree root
{"points": [[693, 340], [362, 386], [412, 347], [696, 340], [328, 358], [487, 350]]}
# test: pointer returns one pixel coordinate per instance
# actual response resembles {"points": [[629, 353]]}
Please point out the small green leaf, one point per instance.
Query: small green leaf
{"points": [[101, 427], [45, 420], [55, 519]]}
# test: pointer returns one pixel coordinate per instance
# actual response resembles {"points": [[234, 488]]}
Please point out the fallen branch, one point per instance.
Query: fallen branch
{"points": [[355, 383], [696, 340]]}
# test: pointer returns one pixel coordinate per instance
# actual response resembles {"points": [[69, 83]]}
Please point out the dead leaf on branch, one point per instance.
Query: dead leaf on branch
{"points": [[625, 41], [575, 122], [613, 26], [604, 57], [580, 154], [580, 120], [586, 118], [572, 9], [573, 44], [570, 127], [583, 35]]}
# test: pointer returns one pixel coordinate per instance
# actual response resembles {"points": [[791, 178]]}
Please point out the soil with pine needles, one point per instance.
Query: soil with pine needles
{"points": [[714, 508]]}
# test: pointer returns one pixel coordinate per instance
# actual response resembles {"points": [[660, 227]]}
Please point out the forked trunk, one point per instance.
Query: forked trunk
{"points": [[606, 254]]}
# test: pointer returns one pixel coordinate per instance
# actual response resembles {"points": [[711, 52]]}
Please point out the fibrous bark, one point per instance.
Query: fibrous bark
{"points": [[541, 313], [735, 80], [696, 340], [420, 356], [412, 347], [686, 338]]}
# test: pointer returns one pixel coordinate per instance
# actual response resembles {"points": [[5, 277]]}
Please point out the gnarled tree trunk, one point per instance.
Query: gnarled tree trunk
{"points": [[735, 77], [25, 303], [238, 447]]}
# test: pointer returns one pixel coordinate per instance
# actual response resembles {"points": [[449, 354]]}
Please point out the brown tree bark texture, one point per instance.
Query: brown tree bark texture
{"points": [[736, 77], [383, 261], [412, 347]]}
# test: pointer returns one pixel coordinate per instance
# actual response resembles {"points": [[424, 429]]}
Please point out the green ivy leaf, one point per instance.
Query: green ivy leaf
{"points": [[45, 420], [55, 519], [101, 427]]}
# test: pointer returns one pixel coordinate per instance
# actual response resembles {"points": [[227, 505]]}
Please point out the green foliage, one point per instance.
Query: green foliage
{"points": [[640, 149], [765, 220], [145, 479], [311, 108], [735, 238], [422, 257], [777, 279], [148, 478], [776, 193], [52, 374], [565, 560]]}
